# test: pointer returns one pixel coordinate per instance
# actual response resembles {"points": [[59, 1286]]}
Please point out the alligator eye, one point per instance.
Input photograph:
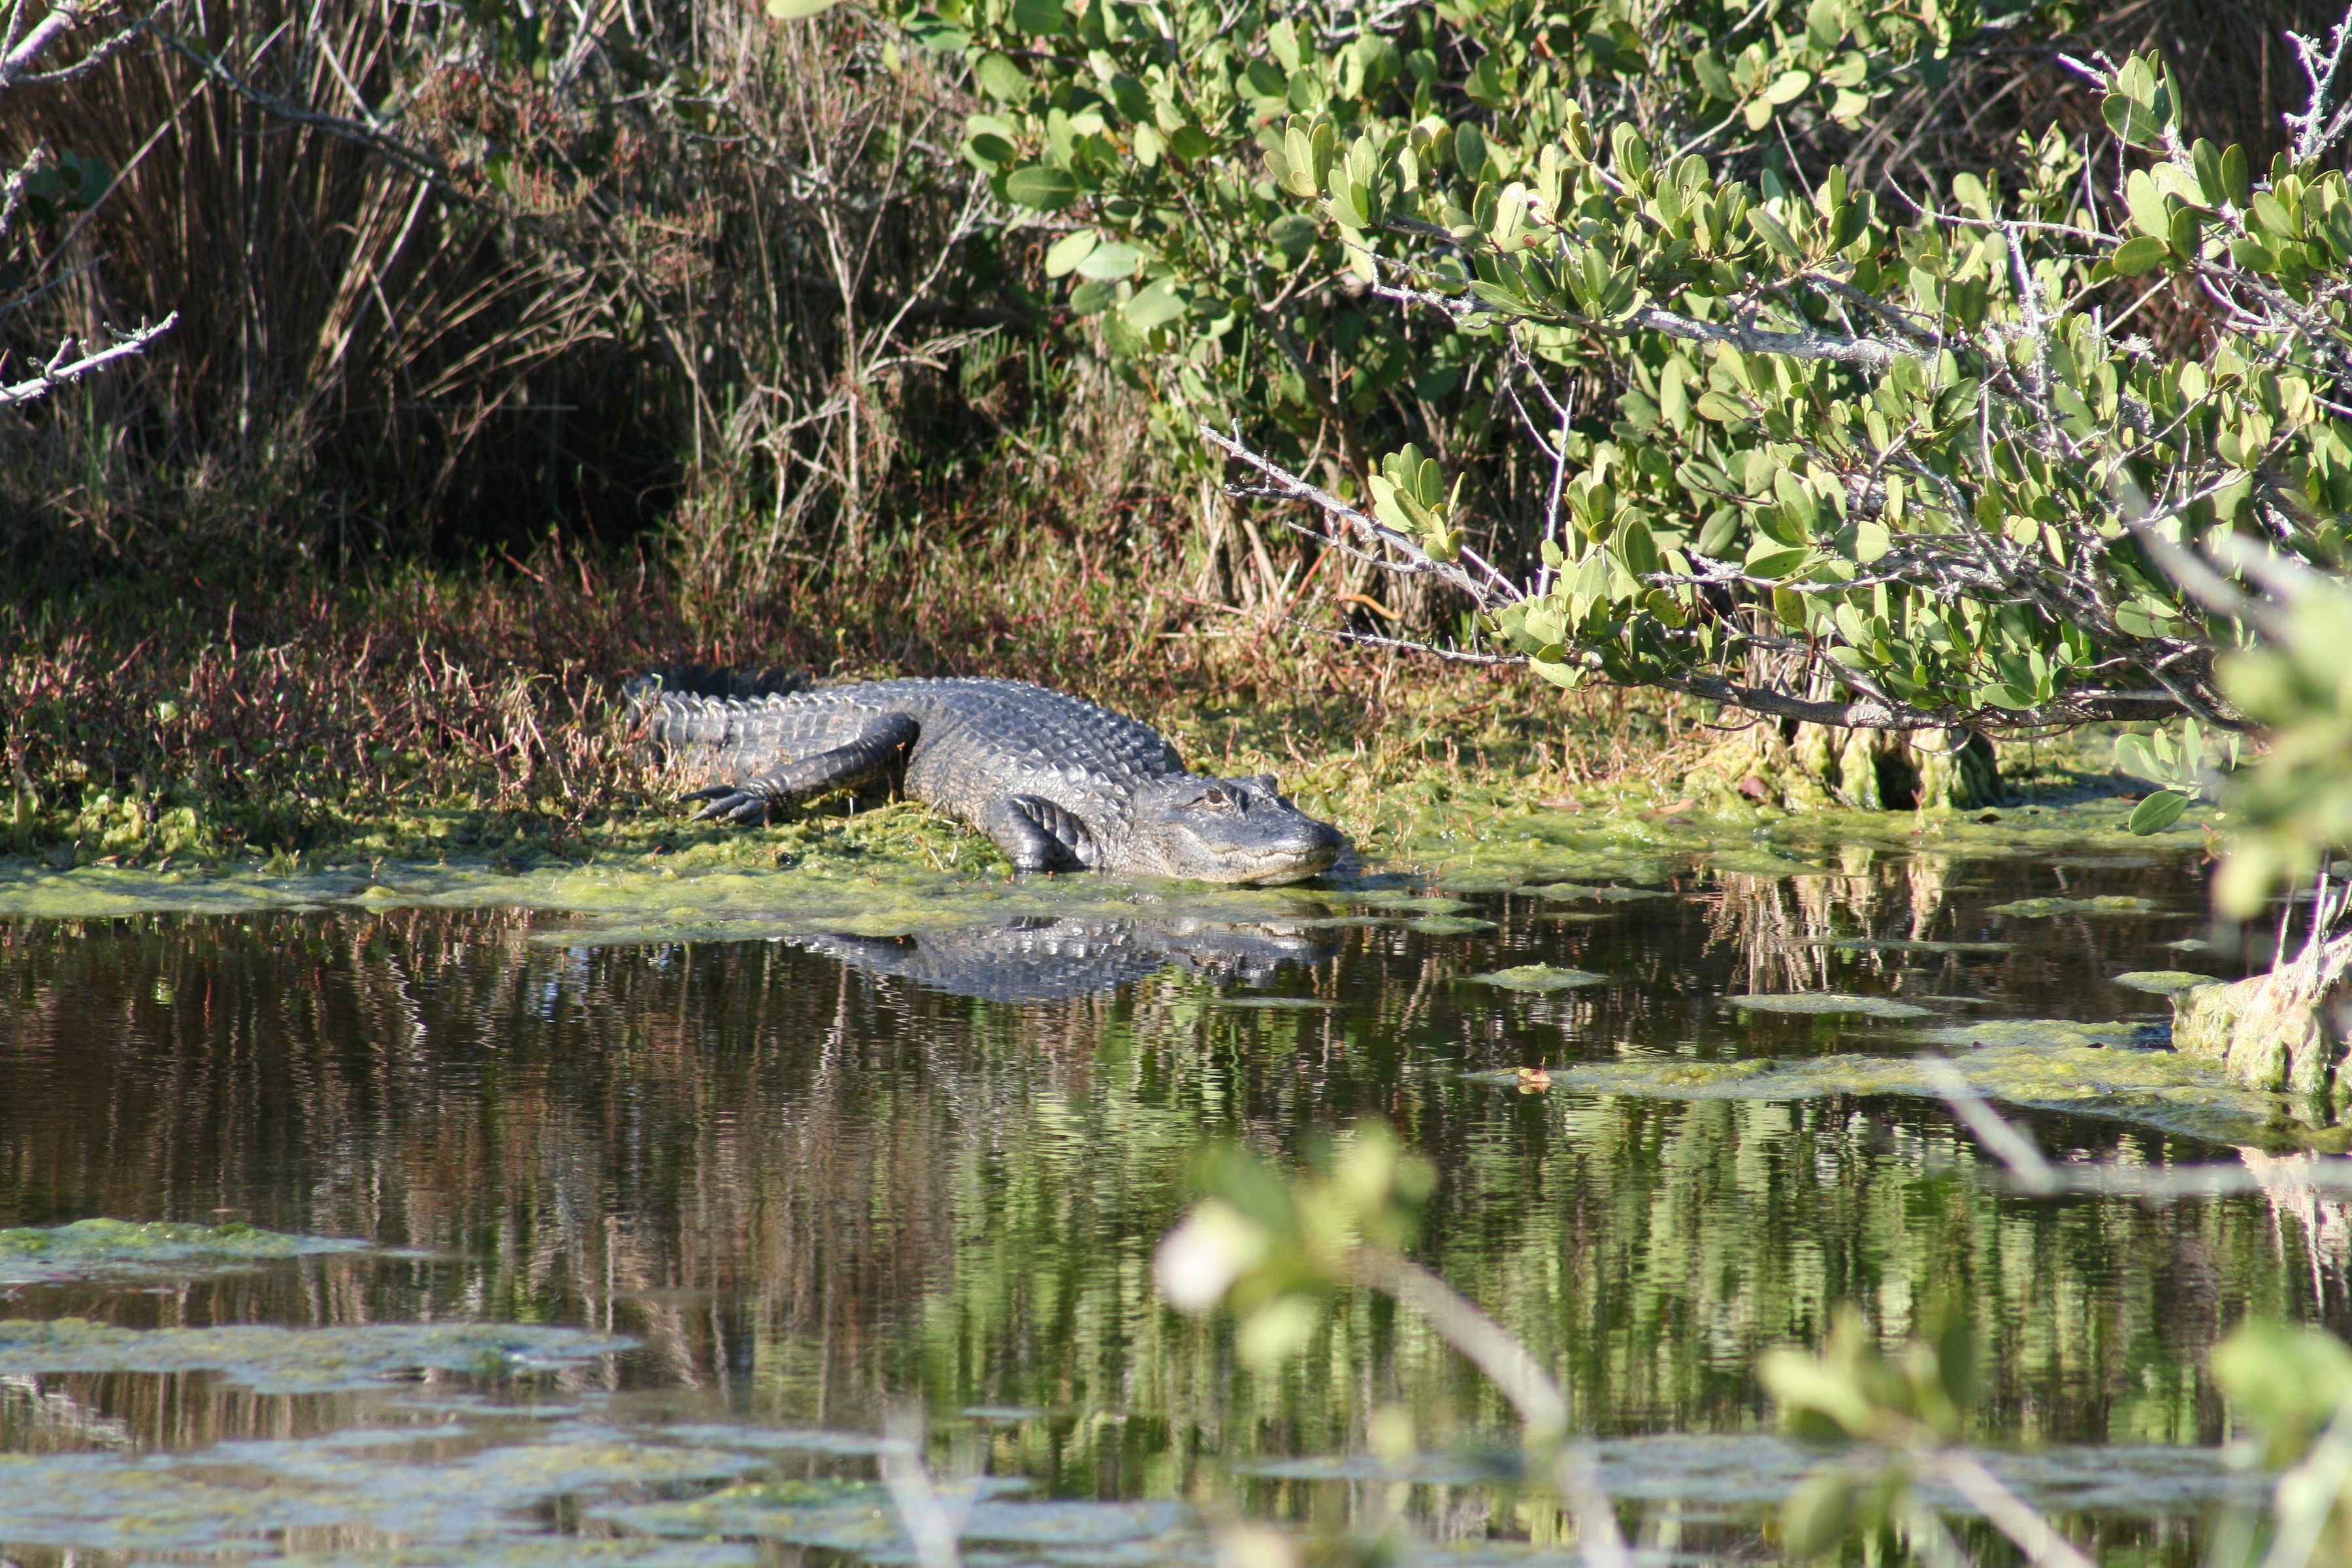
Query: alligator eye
{"points": [[1217, 796]]}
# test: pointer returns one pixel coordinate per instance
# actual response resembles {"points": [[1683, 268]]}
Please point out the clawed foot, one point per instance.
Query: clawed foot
{"points": [[729, 803]]}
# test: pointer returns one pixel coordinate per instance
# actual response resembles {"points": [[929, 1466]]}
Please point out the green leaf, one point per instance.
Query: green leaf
{"points": [[1002, 79], [1041, 186], [2234, 182], [1770, 230], [1191, 144], [1294, 233], [1787, 87], [1819, 1513], [2132, 121], [798, 10], [2147, 204], [2138, 254], [1093, 298], [1720, 533], [1115, 260], [1062, 257], [991, 151], [2158, 812], [1040, 18], [1769, 560], [2206, 159], [1155, 304], [2134, 757]]}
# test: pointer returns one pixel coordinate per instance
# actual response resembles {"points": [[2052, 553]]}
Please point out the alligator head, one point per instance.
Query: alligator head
{"points": [[1226, 830]]}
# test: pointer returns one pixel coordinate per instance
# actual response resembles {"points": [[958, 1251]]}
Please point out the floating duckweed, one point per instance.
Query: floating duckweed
{"points": [[2060, 1067], [1573, 892], [647, 897], [1755, 1469], [1827, 1003], [1406, 902], [270, 1360], [1541, 977], [1281, 1004], [2049, 1032], [112, 1248], [1448, 925], [483, 1502], [1078, 1534], [540, 1551], [2106, 904], [2164, 981]]}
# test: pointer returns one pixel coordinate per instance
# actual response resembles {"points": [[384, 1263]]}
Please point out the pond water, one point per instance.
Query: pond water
{"points": [[505, 1232]]}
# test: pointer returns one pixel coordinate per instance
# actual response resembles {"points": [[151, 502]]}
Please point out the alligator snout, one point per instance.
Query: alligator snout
{"points": [[1297, 850]]}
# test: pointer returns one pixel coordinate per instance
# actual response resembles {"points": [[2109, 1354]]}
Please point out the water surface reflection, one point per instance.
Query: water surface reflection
{"points": [[812, 1175]]}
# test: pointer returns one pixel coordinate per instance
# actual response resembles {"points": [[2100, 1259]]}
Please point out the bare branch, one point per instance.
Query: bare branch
{"points": [[62, 370], [1415, 559], [20, 60]]}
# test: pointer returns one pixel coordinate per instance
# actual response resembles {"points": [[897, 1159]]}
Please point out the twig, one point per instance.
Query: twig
{"points": [[60, 371], [2032, 1171]]}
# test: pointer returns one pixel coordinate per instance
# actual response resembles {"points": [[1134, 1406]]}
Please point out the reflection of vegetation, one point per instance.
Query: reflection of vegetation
{"points": [[807, 1187]]}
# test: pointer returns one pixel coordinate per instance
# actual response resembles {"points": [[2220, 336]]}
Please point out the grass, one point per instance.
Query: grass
{"points": [[302, 720]]}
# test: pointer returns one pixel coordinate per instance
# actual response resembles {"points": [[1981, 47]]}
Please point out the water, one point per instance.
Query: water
{"points": [[695, 1222]]}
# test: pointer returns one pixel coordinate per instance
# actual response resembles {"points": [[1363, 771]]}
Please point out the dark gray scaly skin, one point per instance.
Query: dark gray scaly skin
{"points": [[1045, 959], [1058, 783]]}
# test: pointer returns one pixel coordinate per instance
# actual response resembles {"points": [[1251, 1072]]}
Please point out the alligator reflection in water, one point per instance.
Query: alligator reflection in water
{"points": [[1040, 960]]}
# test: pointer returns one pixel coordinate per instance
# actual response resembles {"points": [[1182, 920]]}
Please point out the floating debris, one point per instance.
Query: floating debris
{"points": [[1758, 1470], [2106, 904], [1448, 925], [1406, 903], [1826, 1004], [1907, 944], [117, 1249], [1078, 1534], [1572, 892], [2164, 981], [2096, 1069], [1541, 977], [269, 1360]]}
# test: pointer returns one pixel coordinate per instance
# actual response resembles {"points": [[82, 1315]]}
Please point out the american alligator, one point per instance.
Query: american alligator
{"points": [[1058, 783]]}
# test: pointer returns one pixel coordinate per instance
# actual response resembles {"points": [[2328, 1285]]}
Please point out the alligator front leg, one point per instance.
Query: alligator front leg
{"points": [[1038, 835], [870, 756]]}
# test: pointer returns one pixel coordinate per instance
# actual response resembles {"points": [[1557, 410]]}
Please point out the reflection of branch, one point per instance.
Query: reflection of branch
{"points": [[60, 370], [1507, 1363], [2031, 1172]]}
